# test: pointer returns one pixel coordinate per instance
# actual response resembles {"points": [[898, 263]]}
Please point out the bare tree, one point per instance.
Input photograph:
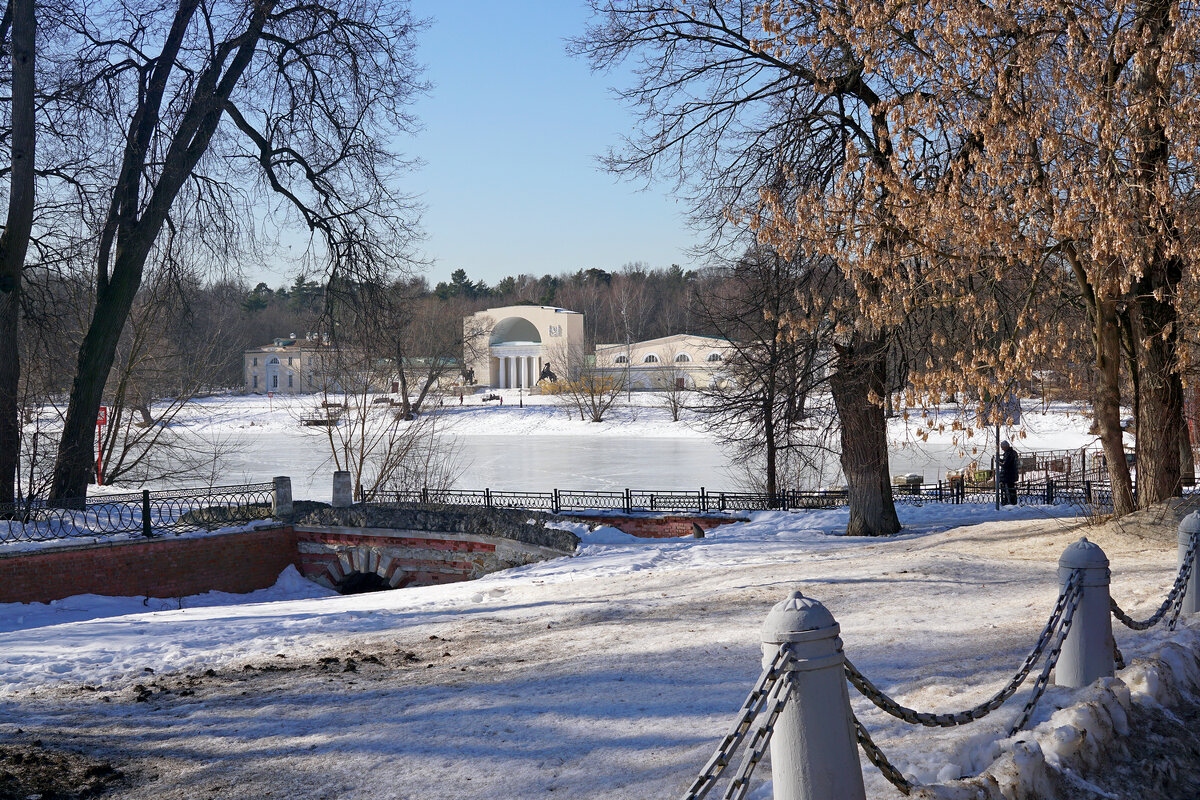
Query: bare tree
{"points": [[380, 445], [157, 376], [428, 338], [728, 119], [673, 380], [579, 385], [217, 104], [763, 407], [17, 36]]}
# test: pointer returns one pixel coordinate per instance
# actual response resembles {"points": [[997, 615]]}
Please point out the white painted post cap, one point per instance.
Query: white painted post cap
{"points": [[1189, 526], [797, 619], [1083, 555]]}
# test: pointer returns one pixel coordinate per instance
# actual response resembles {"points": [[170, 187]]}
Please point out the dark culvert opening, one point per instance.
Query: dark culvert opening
{"points": [[362, 582]]}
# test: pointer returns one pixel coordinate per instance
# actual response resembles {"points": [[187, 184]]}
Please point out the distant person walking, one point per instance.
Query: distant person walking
{"points": [[1009, 467]]}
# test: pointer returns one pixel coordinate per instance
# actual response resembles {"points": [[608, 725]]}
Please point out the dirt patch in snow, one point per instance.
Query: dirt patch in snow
{"points": [[35, 771]]}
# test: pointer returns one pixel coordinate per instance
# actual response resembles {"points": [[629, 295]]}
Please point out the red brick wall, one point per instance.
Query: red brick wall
{"points": [[656, 527], [233, 562]]}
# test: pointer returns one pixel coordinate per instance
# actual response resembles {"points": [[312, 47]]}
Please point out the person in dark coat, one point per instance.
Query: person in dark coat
{"points": [[1009, 467]]}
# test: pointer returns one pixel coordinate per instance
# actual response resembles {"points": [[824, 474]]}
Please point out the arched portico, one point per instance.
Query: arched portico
{"points": [[520, 341]]}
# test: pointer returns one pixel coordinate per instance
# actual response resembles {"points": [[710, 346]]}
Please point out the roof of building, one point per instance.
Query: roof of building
{"points": [[675, 337], [555, 309], [282, 345]]}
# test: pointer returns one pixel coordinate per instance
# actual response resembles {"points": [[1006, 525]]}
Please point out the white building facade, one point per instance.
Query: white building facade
{"points": [[508, 347], [286, 366], [681, 361]]}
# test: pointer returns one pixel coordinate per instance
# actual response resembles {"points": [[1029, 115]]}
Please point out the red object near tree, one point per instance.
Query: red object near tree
{"points": [[101, 421]]}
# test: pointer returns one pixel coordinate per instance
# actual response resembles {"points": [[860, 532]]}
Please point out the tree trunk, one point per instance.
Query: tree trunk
{"points": [[14, 243], [1106, 337], [1160, 405], [861, 370], [76, 462], [772, 454], [1187, 459]]}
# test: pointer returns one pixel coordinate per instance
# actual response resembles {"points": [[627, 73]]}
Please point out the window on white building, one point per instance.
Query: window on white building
{"points": [[255, 382], [256, 362], [683, 357], [714, 357], [289, 378], [622, 360], [650, 359], [274, 381]]}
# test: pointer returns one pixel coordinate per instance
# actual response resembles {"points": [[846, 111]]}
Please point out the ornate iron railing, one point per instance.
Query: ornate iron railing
{"points": [[146, 513], [1047, 491]]}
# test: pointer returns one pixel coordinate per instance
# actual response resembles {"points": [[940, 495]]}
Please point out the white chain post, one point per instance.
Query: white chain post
{"points": [[1087, 654], [1189, 529], [814, 754], [281, 498], [343, 490]]}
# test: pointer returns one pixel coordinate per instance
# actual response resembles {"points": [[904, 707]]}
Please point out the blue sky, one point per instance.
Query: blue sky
{"points": [[511, 133]]}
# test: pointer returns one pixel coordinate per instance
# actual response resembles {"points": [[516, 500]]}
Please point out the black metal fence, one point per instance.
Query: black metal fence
{"points": [[1086, 494], [146, 513], [152, 513]]}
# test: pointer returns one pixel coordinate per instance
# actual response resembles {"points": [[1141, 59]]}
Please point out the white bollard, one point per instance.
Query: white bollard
{"points": [[281, 499], [814, 753], [343, 490], [1087, 653], [1189, 528]]}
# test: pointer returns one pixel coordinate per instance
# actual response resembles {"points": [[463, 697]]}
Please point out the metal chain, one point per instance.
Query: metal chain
{"points": [[1118, 656], [1043, 678], [876, 757], [751, 708], [876, 696], [737, 788], [1173, 601], [1185, 575]]}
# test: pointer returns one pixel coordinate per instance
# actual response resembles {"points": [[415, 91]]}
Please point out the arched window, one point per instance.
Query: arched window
{"points": [[622, 359], [713, 357], [273, 361], [650, 359], [683, 357]]}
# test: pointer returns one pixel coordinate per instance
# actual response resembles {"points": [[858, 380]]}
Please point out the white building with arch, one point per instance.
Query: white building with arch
{"points": [[508, 347], [684, 360]]}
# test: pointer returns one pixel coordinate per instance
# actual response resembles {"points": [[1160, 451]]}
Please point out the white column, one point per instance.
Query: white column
{"points": [[530, 379], [499, 372], [512, 372]]}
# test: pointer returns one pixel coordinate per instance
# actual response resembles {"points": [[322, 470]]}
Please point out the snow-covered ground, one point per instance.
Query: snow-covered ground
{"points": [[610, 674], [544, 446]]}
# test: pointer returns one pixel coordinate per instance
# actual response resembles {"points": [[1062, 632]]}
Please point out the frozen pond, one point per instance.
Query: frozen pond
{"points": [[541, 446], [542, 462], [513, 463]]}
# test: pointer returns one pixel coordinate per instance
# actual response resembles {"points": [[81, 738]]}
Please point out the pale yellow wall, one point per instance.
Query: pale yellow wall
{"points": [[306, 362], [698, 370], [558, 329]]}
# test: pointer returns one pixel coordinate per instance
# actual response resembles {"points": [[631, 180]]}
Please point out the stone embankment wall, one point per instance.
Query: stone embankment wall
{"points": [[403, 547], [658, 526]]}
